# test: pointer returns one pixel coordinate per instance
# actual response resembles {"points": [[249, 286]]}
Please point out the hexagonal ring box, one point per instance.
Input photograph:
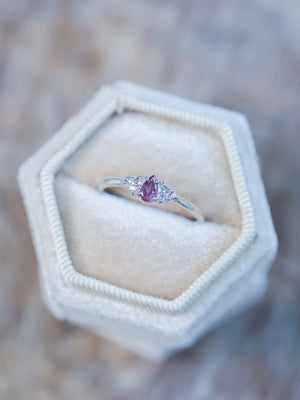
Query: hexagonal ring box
{"points": [[143, 276]]}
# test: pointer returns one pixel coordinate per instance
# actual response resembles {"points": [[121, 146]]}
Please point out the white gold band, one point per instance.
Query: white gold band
{"points": [[149, 190]]}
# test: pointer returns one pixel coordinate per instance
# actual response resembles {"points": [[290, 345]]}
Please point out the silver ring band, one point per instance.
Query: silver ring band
{"points": [[149, 190]]}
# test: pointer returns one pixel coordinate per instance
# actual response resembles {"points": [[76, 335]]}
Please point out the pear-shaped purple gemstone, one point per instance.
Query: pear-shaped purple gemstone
{"points": [[149, 189]]}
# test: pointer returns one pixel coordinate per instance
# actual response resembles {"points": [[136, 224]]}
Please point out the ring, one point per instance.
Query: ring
{"points": [[149, 190]]}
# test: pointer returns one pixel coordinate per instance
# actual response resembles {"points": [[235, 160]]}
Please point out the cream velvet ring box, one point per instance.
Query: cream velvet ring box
{"points": [[151, 280]]}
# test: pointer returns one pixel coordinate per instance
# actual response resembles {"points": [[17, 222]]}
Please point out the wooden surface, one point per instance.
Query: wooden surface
{"points": [[240, 55]]}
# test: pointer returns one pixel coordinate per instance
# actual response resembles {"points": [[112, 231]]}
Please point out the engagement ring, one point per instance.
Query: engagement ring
{"points": [[149, 190]]}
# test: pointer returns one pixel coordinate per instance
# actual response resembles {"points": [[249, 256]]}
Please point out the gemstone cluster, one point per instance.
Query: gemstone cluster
{"points": [[149, 189]]}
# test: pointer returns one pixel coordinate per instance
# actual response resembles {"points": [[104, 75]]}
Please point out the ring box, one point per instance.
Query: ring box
{"points": [[147, 278]]}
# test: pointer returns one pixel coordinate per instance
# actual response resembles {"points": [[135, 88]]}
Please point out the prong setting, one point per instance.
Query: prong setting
{"points": [[149, 189]]}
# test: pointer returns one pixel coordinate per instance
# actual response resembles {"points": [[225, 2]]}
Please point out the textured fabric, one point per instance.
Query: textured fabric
{"points": [[133, 245]]}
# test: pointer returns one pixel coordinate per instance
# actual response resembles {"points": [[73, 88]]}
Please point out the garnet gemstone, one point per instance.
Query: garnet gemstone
{"points": [[149, 189]]}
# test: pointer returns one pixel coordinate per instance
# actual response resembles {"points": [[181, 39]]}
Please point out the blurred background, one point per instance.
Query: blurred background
{"points": [[243, 56]]}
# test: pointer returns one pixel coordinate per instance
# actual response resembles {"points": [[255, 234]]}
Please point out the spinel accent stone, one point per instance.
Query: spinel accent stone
{"points": [[149, 189]]}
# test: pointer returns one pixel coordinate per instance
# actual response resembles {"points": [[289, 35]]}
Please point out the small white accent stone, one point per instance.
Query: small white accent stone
{"points": [[133, 183], [165, 194]]}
